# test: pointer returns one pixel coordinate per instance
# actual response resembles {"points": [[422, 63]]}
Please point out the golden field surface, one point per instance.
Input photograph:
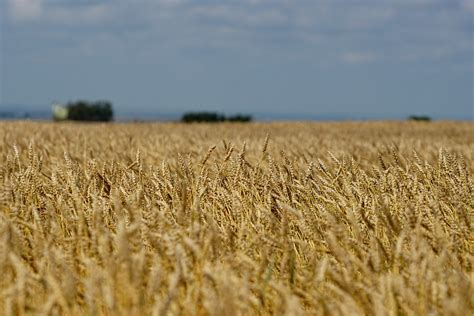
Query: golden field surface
{"points": [[353, 218]]}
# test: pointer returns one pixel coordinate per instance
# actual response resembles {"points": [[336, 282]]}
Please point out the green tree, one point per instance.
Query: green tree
{"points": [[100, 111]]}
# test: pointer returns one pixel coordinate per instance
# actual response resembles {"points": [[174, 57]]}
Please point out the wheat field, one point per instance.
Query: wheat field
{"points": [[353, 218]]}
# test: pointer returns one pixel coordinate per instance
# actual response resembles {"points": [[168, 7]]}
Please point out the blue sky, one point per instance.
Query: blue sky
{"points": [[280, 58]]}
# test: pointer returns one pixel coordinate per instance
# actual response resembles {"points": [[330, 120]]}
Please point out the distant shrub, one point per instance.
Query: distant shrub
{"points": [[213, 117], [202, 117], [423, 118], [239, 118]]}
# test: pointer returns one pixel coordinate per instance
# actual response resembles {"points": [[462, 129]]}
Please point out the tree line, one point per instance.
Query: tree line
{"points": [[102, 111], [190, 117]]}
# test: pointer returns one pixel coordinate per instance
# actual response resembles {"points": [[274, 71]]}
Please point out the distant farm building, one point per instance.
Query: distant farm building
{"points": [[60, 112]]}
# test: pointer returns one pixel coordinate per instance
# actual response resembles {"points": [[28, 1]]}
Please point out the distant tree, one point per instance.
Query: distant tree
{"points": [[423, 118], [202, 117], [99, 111], [239, 118], [213, 117]]}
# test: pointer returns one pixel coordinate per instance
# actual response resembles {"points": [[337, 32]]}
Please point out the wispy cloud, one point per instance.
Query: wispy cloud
{"points": [[468, 5], [24, 10], [90, 14]]}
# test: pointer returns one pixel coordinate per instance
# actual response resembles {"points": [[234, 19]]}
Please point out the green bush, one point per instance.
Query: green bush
{"points": [[239, 118], [423, 118], [202, 117]]}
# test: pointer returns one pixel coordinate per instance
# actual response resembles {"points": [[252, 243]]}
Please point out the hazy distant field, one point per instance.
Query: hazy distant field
{"points": [[261, 218]]}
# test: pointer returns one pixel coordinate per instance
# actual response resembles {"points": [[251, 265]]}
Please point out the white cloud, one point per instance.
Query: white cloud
{"points": [[86, 14], [25, 9], [468, 5]]}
